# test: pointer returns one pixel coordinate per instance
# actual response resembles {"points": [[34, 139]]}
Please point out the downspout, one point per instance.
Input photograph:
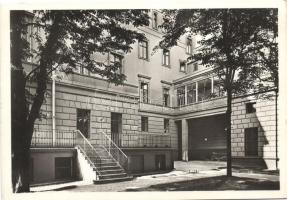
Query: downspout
{"points": [[53, 109]]}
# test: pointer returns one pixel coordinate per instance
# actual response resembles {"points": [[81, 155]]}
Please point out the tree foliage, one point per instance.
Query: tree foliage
{"points": [[65, 39], [239, 44]]}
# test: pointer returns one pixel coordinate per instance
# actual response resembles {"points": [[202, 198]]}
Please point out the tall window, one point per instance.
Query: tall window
{"points": [[144, 123], [166, 96], [191, 93], [251, 141], [144, 92], [218, 90], [83, 121], [154, 20], [181, 96], [182, 66], [188, 45], [165, 57], [143, 50], [116, 59], [166, 125], [204, 89]]}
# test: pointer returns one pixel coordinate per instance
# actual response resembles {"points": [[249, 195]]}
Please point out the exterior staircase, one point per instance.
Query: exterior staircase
{"points": [[108, 163]]}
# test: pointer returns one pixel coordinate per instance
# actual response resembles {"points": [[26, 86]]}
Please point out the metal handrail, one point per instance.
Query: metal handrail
{"points": [[115, 144], [115, 151], [93, 149]]}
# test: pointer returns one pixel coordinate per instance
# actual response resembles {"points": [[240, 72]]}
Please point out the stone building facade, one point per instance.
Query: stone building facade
{"points": [[166, 110]]}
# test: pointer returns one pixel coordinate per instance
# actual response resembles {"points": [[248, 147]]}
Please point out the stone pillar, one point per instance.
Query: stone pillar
{"points": [[184, 140]]}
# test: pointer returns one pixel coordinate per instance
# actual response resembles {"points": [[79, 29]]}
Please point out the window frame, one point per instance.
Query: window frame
{"points": [[166, 125], [166, 57], [142, 48], [188, 49], [144, 124], [253, 144], [185, 66], [141, 90], [56, 173], [166, 91], [116, 55], [155, 20]]}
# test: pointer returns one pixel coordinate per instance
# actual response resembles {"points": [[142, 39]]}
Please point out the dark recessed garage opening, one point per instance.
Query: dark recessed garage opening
{"points": [[206, 138]]}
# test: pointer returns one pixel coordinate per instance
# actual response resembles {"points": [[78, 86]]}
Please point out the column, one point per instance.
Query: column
{"points": [[184, 140]]}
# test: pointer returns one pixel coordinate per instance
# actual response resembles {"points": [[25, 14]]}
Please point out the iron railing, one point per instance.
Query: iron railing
{"points": [[45, 138], [88, 150], [145, 140], [113, 149]]}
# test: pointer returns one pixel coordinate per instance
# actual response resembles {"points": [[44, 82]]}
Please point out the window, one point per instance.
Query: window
{"points": [[191, 93], [195, 67], [165, 57], [160, 162], [166, 96], [188, 46], [250, 107], [154, 20], [144, 121], [218, 90], [182, 66], [166, 125], [181, 96], [116, 59], [204, 89], [63, 167], [144, 92], [82, 70], [83, 121], [143, 50], [251, 141]]}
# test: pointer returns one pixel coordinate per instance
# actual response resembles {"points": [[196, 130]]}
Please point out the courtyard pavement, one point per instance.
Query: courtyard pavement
{"points": [[184, 171]]}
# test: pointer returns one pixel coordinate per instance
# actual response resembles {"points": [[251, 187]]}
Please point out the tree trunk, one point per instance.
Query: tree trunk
{"points": [[228, 132]]}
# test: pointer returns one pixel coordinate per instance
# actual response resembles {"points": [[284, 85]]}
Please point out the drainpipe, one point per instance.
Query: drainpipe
{"points": [[53, 108]]}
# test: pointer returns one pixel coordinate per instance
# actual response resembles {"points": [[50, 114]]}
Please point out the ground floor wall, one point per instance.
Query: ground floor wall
{"points": [[142, 161], [254, 134], [53, 165]]}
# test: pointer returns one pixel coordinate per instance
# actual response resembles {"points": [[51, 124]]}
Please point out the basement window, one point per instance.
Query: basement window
{"points": [[250, 107], [63, 168]]}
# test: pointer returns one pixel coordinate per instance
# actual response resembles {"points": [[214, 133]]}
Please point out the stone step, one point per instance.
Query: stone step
{"points": [[112, 180], [111, 176], [102, 168], [106, 164], [112, 171]]}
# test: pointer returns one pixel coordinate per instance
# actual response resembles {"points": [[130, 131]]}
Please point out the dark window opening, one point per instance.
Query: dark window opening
{"points": [[188, 45], [160, 162], [250, 107], [144, 123], [191, 93], [166, 125], [63, 168], [144, 92], [154, 20], [182, 66], [166, 97], [83, 122], [251, 141], [143, 50], [165, 57], [195, 67], [181, 96], [116, 60]]}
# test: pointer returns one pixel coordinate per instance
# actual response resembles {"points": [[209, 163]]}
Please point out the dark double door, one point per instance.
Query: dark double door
{"points": [[116, 128]]}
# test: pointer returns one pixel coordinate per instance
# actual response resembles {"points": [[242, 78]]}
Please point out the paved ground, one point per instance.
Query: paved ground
{"points": [[183, 173]]}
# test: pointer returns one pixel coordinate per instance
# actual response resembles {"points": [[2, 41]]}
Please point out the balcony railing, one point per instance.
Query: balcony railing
{"points": [[69, 139], [62, 138]]}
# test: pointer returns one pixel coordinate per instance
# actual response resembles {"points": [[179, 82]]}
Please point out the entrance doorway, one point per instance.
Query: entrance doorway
{"points": [[116, 128], [179, 136]]}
